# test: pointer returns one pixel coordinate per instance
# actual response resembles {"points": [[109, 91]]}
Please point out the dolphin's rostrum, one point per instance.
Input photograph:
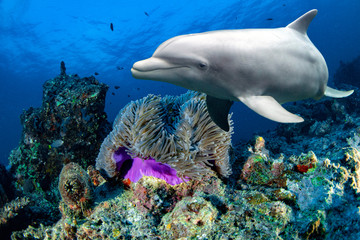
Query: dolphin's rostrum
{"points": [[262, 68]]}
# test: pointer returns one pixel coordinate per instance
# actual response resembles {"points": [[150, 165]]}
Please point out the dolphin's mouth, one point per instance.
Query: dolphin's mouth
{"points": [[152, 70], [154, 63], [151, 74], [151, 67], [151, 64]]}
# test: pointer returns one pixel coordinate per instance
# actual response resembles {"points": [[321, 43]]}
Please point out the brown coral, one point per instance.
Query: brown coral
{"points": [[74, 186], [176, 131]]}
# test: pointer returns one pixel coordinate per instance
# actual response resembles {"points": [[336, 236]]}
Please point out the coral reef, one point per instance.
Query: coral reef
{"points": [[69, 126], [173, 136], [326, 196], [302, 183], [309, 205]]}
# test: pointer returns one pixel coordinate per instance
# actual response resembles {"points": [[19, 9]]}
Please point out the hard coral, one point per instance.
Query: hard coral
{"points": [[260, 169], [176, 132], [353, 161], [11, 209], [191, 217], [74, 186]]}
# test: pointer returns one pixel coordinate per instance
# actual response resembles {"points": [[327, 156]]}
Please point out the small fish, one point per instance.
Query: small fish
{"points": [[269, 19], [96, 73], [116, 87], [138, 89], [146, 13], [111, 26], [128, 95], [113, 93], [57, 143], [119, 68]]}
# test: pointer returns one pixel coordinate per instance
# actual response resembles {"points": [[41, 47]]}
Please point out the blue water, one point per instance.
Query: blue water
{"points": [[36, 35]]}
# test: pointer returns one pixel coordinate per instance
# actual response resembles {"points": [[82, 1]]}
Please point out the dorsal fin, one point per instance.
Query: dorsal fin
{"points": [[302, 23]]}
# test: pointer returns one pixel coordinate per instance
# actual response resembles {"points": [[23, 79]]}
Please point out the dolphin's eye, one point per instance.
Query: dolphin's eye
{"points": [[203, 66]]}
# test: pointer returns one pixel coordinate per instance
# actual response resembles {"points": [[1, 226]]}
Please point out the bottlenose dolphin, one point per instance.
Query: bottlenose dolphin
{"points": [[262, 68]]}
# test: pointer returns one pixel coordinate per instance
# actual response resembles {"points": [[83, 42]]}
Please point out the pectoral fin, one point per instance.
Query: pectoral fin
{"points": [[331, 92], [218, 110], [268, 107]]}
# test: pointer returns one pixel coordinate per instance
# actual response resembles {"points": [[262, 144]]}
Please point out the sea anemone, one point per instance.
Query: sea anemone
{"points": [[172, 138]]}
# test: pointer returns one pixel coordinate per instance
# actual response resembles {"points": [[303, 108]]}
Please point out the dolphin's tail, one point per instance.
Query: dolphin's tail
{"points": [[330, 92]]}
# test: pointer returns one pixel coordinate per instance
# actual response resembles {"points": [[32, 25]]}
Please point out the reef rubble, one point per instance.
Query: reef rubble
{"points": [[299, 181]]}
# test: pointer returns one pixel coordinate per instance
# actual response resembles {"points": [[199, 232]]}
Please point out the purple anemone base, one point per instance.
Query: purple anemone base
{"points": [[135, 168]]}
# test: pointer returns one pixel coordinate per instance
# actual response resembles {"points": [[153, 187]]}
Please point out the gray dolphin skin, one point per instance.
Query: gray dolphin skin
{"points": [[263, 68]]}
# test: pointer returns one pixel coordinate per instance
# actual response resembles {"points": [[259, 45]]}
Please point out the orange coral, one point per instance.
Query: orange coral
{"points": [[303, 168]]}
